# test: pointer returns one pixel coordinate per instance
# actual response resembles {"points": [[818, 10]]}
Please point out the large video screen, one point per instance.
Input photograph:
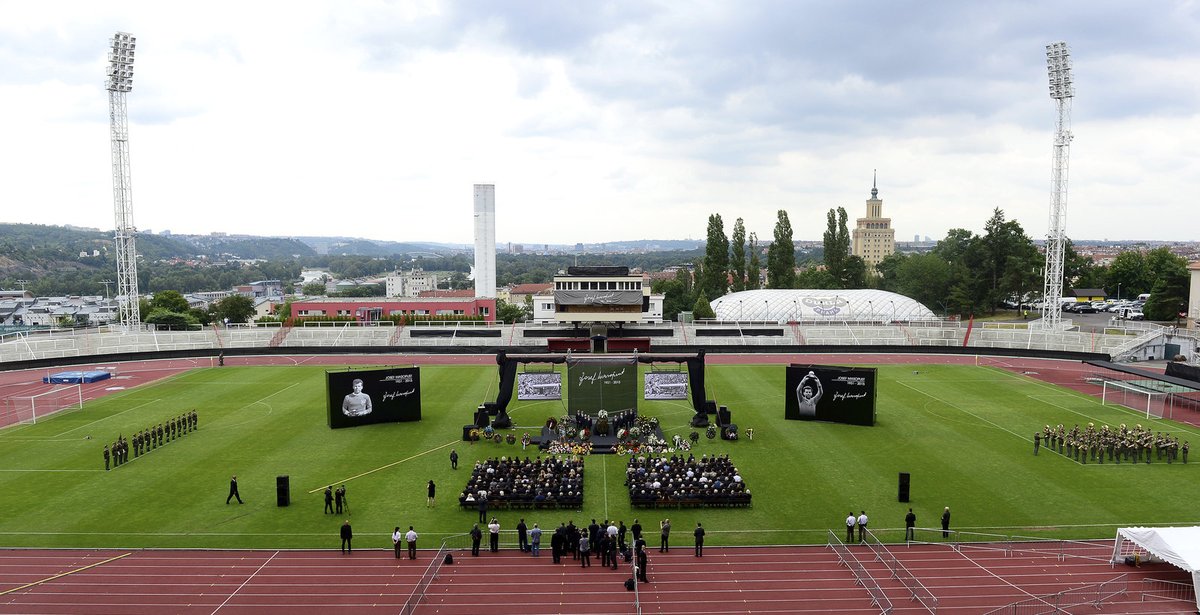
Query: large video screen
{"points": [[665, 385], [830, 393], [601, 384], [539, 385], [368, 396]]}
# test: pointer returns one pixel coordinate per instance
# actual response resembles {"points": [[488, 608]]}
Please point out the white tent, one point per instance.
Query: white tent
{"points": [[1179, 546]]}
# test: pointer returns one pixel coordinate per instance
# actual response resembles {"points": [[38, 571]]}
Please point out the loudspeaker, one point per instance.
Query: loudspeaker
{"points": [[723, 415], [283, 495], [904, 480], [481, 417]]}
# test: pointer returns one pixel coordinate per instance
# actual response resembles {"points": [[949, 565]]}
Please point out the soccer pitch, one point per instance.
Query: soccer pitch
{"points": [[964, 433]]}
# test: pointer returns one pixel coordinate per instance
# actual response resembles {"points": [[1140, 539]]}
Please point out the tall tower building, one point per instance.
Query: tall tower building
{"points": [[873, 237], [485, 240]]}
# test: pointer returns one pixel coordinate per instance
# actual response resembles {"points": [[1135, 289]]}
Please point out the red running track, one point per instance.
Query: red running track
{"points": [[805, 579]]}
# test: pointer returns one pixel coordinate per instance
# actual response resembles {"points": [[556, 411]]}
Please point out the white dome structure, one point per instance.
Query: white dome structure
{"points": [[785, 305]]}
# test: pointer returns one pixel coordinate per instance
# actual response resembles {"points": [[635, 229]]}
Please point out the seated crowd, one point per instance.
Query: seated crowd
{"points": [[516, 483], [678, 481], [1123, 443]]}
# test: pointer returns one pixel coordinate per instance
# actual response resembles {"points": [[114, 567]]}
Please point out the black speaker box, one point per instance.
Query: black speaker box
{"points": [[904, 481], [283, 492]]}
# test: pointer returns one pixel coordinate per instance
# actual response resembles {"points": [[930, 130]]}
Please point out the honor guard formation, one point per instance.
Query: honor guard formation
{"points": [[150, 438], [1120, 444]]}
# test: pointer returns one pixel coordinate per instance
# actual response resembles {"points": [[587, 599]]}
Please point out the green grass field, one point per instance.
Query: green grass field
{"points": [[964, 433]]}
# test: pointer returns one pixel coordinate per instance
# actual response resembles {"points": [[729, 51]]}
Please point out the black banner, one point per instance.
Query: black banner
{"points": [[1183, 370], [601, 384], [830, 393], [364, 397]]}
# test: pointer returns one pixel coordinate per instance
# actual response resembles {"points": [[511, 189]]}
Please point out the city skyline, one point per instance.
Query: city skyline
{"points": [[602, 122]]}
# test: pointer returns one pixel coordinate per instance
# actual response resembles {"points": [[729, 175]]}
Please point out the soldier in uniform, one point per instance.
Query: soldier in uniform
{"points": [[1037, 442], [159, 433], [195, 420], [106, 456]]}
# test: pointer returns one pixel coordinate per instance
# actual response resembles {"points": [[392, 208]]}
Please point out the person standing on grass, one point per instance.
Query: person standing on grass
{"points": [[453, 459], [396, 536], [411, 539], [339, 496], [851, 521], [347, 534], [430, 490], [946, 523], [233, 490], [329, 500], [910, 522], [862, 526], [106, 457]]}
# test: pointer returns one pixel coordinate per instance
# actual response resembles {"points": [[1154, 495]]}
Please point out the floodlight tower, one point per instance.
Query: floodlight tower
{"points": [[120, 82], [1062, 90]]}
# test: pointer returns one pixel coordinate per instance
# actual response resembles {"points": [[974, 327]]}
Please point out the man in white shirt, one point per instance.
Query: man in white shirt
{"points": [[411, 539], [494, 535], [862, 526], [396, 536], [851, 521]]}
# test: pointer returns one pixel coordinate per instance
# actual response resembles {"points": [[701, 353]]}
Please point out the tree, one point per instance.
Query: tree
{"points": [[781, 255], [509, 313], [313, 288], [677, 293], [716, 258], [1131, 271], [837, 245], [1169, 295], [702, 309], [236, 308], [169, 300], [162, 317], [737, 256], [753, 272]]}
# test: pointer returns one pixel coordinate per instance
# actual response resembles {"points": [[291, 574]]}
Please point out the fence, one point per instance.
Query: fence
{"points": [[1156, 589], [919, 592], [1094, 595], [861, 576], [1013, 543]]}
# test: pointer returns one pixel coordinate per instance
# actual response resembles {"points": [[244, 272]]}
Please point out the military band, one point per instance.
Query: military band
{"points": [[1123, 444]]}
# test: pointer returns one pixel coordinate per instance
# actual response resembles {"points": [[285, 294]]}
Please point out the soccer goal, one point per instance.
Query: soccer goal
{"points": [[27, 409], [1139, 398]]}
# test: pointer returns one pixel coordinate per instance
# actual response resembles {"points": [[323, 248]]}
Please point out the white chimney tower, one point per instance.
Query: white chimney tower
{"points": [[485, 240]]}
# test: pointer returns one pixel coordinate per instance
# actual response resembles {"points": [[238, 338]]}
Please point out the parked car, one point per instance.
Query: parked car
{"points": [[1128, 313]]}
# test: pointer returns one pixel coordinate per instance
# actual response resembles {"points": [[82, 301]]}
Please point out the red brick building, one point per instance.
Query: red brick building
{"points": [[374, 308]]}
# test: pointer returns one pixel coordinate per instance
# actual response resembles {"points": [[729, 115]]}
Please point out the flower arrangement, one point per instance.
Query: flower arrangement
{"points": [[731, 433], [571, 433], [552, 424], [694, 437], [584, 434], [711, 432], [622, 434], [560, 447], [510, 438], [497, 438], [635, 432], [488, 431], [525, 441], [474, 435], [603, 414], [749, 433]]}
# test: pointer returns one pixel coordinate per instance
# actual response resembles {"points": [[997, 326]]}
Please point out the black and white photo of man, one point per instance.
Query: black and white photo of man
{"points": [[357, 403], [808, 393]]}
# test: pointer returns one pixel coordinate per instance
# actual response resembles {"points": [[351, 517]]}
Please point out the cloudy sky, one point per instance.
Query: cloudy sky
{"points": [[602, 120]]}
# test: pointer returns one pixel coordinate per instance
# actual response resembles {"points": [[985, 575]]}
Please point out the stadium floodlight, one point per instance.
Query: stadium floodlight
{"points": [[119, 82], [1062, 90]]}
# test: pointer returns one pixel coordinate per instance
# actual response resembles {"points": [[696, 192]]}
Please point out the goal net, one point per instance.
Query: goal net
{"points": [[1136, 397], [27, 409]]}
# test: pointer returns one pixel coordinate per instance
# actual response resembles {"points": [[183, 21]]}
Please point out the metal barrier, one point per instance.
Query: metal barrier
{"points": [[431, 571], [1094, 595], [1167, 590], [861, 576], [899, 572]]}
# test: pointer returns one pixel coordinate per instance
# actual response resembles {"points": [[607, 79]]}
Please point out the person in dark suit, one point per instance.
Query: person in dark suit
{"points": [[430, 490], [347, 534], [643, 562], [910, 522], [476, 536], [453, 459], [699, 533], [556, 543], [233, 490], [946, 523], [339, 495], [522, 535], [329, 500]]}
